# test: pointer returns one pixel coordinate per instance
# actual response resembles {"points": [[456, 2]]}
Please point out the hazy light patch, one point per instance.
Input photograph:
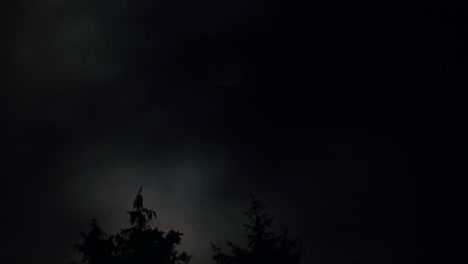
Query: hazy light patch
{"points": [[104, 183]]}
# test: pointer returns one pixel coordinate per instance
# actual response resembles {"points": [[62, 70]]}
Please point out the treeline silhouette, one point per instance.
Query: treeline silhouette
{"points": [[141, 243]]}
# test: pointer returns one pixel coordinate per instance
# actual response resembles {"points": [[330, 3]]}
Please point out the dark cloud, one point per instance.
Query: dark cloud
{"points": [[340, 118]]}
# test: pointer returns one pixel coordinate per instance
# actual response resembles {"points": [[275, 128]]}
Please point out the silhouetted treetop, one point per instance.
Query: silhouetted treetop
{"points": [[137, 244], [263, 245]]}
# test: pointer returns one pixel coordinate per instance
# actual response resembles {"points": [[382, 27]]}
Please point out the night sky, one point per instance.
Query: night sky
{"points": [[344, 118]]}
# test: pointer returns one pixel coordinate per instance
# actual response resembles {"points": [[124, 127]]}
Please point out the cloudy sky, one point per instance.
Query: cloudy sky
{"points": [[342, 118]]}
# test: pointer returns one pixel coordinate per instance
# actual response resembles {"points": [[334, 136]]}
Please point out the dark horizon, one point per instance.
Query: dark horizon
{"points": [[346, 119]]}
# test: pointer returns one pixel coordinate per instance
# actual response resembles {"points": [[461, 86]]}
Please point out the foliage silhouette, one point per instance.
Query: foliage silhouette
{"points": [[263, 246], [137, 244]]}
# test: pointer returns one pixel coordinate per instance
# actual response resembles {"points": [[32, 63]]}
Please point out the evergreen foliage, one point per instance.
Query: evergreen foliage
{"points": [[263, 246], [138, 244]]}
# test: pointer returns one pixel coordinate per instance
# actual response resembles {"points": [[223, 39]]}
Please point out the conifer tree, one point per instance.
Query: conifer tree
{"points": [[138, 244], [263, 246]]}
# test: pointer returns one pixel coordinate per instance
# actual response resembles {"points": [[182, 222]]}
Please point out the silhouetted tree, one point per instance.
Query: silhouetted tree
{"points": [[263, 246], [137, 244]]}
